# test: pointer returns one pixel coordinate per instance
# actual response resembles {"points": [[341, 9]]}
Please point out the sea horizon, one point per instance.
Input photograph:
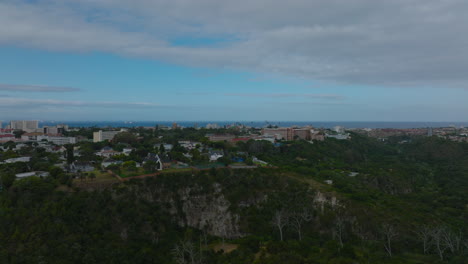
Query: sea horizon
{"points": [[259, 124]]}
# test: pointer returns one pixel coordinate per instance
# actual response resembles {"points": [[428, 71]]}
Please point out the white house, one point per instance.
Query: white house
{"points": [[20, 159], [32, 173], [127, 151], [107, 152], [215, 155]]}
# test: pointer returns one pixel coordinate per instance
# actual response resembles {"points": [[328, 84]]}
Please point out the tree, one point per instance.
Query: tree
{"points": [[7, 179], [437, 236], [55, 172], [18, 133], [280, 220], [69, 154], [298, 218], [339, 228], [425, 234], [389, 233], [125, 137], [185, 252], [150, 166], [129, 165]]}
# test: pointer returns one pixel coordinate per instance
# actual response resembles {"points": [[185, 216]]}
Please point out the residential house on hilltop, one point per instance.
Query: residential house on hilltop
{"points": [[106, 163], [155, 158], [32, 173], [81, 167], [215, 155], [107, 152]]}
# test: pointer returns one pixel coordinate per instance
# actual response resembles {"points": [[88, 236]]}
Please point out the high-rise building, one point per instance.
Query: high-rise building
{"points": [[302, 133], [285, 133], [104, 135], [212, 126], [24, 125]]}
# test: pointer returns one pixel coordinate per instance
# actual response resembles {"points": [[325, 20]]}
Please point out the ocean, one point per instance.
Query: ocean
{"points": [[258, 124]]}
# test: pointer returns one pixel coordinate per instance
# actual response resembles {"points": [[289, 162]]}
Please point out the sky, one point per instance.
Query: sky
{"points": [[184, 60]]}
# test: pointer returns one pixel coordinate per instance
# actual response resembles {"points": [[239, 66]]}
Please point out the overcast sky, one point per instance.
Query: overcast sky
{"points": [[302, 60]]}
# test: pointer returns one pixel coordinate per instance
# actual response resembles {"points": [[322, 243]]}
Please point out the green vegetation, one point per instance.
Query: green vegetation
{"points": [[354, 201]]}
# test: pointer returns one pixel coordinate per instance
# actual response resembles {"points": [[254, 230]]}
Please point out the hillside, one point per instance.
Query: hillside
{"points": [[356, 201]]}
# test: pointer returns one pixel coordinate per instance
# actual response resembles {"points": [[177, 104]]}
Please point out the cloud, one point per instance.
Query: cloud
{"points": [[388, 43], [285, 95], [35, 88], [21, 103]]}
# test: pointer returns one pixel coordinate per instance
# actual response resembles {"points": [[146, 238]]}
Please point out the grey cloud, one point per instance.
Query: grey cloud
{"points": [[391, 43], [35, 88], [285, 95], [20, 103]]}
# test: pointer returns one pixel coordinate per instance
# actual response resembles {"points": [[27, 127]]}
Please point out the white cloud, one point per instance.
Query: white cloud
{"points": [[288, 95], [35, 88], [398, 42], [13, 103]]}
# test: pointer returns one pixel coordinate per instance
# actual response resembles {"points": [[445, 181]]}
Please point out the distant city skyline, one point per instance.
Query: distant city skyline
{"points": [[259, 60]]}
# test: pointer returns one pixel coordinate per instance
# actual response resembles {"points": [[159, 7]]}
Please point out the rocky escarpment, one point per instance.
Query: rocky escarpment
{"points": [[209, 212], [207, 208]]}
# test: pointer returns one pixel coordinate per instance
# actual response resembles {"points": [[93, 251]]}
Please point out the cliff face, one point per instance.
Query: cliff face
{"points": [[207, 208], [194, 206], [210, 212]]}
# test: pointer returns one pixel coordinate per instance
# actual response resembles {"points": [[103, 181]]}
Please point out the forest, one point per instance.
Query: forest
{"points": [[363, 200]]}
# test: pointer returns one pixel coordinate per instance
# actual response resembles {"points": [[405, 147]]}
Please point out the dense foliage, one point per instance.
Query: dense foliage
{"points": [[388, 201]]}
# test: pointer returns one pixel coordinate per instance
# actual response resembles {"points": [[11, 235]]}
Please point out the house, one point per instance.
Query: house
{"points": [[7, 137], [59, 149], [167, 147], [81, 167], [31, 136], [127, 151], [166, 161], [62, 165], [107, 152], [106, 163], [189, 145], [19, 146], [220, 137], [268, 138], [261, 162], [57, 140], [215, 155], [339, 136], [154, 157], [20, 159], [32, 173]]}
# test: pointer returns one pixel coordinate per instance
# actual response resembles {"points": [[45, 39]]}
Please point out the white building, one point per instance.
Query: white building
{"points": [[20, 159], [189, 145], [212, 126], [32, 173], [338, 129], [24, 125], [339, 136], [7, 137], [127, 151], [104, 135], [58, 140]]}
